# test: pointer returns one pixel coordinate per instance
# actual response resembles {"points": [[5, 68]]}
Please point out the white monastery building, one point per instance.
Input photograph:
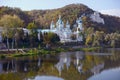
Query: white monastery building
{"points": [[63, 30]]}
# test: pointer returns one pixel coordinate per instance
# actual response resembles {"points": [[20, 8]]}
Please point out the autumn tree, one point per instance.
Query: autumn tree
{"points": [[89, 36], [10, 23], [98, 38], [114, 37]]}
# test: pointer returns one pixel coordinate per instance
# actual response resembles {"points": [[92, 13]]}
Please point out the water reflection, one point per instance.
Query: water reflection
{"points": [[112, 74], [39, 61], [68, 65], [96, 69], [46, 78], [1, 68], [64, 59], [14, 65], [25, 68], [9, 66], [79, 56]]}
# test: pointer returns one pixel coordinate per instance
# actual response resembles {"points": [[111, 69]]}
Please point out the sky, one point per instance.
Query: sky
{"points": [[98, 5]]}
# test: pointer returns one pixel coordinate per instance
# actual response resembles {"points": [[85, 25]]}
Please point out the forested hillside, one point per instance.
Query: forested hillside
{"points": [[71, 12]]}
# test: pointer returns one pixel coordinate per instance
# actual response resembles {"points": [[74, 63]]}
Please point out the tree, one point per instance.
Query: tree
{"points": [[32, 26], [89, 40], [114, 37], [89, 36], [107, 39], [10, 23], [33, 33], [50, 38], [98, 38]]}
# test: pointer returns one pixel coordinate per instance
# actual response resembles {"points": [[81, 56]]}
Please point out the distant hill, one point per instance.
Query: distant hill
{"points": [[70, 12]]}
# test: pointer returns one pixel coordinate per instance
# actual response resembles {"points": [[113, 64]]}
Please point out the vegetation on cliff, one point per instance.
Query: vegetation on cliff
{"points": [[71, 12]]}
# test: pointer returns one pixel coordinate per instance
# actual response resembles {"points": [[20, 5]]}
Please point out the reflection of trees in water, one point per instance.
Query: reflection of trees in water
{"points": [[113, 60], [10, 66], [116, 54], [15, 69]]}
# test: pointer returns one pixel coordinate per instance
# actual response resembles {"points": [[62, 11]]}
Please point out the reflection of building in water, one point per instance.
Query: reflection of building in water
{"points": [[39, 61], [25, 68], [64, 59], [96, 69], [79, 56], [79, 68]]}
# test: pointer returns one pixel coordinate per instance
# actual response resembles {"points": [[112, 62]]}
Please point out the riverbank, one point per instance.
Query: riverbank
{"points": [[41, 51]]}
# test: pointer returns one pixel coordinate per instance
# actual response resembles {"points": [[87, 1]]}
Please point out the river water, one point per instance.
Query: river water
{"points": [[96, 65]]}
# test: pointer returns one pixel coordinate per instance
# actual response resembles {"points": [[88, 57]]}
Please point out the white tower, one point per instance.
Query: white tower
{"points": [[79, 22], [0, 37], [67, 25], [79, 29], [39, 36], [60, 24], [52, 26]]}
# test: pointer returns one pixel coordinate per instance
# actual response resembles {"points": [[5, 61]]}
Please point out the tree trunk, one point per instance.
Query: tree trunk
{"points": [[13, 43], [16, 45], [7, 43]]}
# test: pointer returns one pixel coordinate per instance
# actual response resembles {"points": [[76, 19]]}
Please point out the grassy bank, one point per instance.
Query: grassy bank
{"points": [[43, 52]]}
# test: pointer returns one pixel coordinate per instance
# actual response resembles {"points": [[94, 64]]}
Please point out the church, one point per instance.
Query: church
{"points": [[64, 31]]}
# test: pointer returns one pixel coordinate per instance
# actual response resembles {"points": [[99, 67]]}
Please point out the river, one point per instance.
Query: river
{"points": [[96, 65]]}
